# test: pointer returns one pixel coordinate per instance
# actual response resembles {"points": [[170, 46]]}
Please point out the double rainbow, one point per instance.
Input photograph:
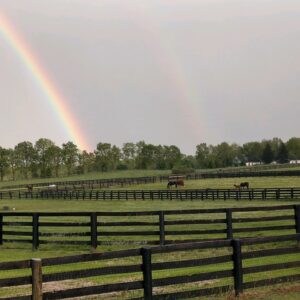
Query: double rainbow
{"points": [[51, 92]]}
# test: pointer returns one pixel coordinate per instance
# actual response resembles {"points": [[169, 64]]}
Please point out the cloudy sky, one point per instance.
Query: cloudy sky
{"points": [[165, 71]]}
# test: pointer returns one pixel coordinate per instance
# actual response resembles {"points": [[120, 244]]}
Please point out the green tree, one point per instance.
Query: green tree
{"points": [[267, 155], [146, 155], [282, 155], [25, 155], [44, 160], [202, 155], [225, 155], [13, 162], [70, 156], [293, 147], [173, 156], [54, 155], [107, 157], [252, 151], [128, 154], [275, 145], [4, 162], [86, 162]]}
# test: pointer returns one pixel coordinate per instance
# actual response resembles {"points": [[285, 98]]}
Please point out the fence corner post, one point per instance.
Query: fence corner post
{"points": [[37, 280], [147, 273], [94, 231], [237, 266], [161, 228]]}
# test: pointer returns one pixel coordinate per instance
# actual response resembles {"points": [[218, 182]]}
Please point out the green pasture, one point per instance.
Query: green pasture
{"points": [[141, 173], [174, 256], [16, 251], [21, 251], [91, 176], [222, 183], [215, 183]]}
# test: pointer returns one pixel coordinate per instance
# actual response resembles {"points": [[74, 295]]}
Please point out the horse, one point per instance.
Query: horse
{"points": [[176, 182], [171, 183], [242, 185]]}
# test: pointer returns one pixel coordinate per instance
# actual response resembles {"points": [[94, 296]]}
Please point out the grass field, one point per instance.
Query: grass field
{"points": [[140, 173], [214, 183], [224, 183], [10, 252], [91, 176]]}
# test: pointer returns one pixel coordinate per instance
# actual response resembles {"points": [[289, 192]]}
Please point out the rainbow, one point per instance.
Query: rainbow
{"points": [[51, 92], [186, 96]]}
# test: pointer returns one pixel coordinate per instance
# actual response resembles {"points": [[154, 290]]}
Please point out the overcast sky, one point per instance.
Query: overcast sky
{"points": [[177, 72]]}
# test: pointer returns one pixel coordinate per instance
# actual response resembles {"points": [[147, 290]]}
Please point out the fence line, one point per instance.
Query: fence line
{"points": [[104, 183], [218, 273], [147, 227], [175, 194]]}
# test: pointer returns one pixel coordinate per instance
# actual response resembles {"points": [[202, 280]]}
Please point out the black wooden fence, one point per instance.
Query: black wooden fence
{"points": [[104, 183], [172, 194], [225, 174], [148, 227], [157, 273], [91, 183]]}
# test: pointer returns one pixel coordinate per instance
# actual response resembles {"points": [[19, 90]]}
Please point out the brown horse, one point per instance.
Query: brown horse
{"points": [[242, 185], [178, 182]]}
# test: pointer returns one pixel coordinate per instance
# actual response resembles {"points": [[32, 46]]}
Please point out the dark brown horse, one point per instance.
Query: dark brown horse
{"points": [[171, 183], [242, 185]]}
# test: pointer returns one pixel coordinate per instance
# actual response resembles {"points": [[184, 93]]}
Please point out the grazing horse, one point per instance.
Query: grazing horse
{"points": [[176, 182], [171, 183], [242, 185]]}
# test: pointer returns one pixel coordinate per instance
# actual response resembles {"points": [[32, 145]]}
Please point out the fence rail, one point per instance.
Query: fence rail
{"points": [[175, 194], [231, 266], [147, 227]]}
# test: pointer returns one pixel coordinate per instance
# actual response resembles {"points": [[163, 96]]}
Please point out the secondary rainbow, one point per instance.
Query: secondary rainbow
{"points": [[48, 87]]}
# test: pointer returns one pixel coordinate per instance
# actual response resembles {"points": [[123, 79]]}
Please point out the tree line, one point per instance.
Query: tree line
{"points": [[45, 159]]}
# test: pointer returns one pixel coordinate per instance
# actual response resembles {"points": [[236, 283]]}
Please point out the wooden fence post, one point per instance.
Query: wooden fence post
{"points": [[147, 273], [161, 228], [237, 266], [35, 231], [297, 220], [229, 232], [1, 229], [94, 232], [37, 284]]}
